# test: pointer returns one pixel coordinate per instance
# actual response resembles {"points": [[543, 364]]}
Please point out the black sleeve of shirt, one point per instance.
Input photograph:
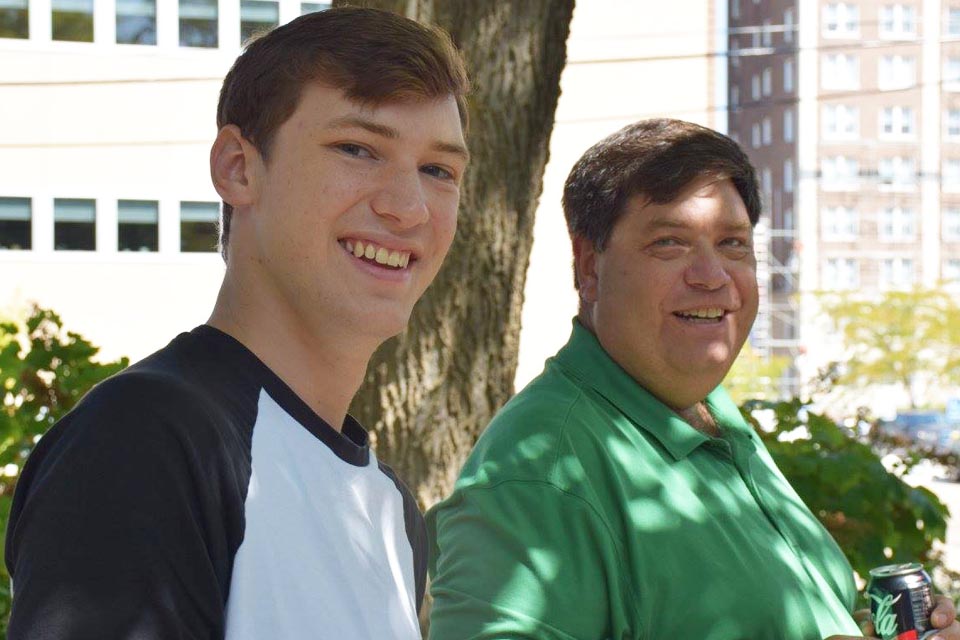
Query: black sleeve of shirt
{"points": [[127, 517], [416, 533]]}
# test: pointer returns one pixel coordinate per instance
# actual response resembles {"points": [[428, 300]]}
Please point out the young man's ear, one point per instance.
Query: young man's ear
{"points": [[585, 265], [233, 164]]}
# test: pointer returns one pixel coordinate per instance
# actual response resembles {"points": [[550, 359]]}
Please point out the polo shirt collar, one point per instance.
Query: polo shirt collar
{"points": [[585, 359]]}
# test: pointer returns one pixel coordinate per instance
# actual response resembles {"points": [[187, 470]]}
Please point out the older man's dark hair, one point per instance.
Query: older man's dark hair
{"points": [[656, 159]]}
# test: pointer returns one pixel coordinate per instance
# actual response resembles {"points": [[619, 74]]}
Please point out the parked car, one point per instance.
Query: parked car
{"points": [[931, 428]]}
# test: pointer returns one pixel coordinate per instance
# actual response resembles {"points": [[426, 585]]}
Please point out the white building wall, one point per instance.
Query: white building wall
{"points": [[107, 122], [626, 60]]}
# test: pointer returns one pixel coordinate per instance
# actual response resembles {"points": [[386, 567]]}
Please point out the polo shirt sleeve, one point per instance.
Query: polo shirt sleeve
{"points": [[522, 559], [124, 521]]}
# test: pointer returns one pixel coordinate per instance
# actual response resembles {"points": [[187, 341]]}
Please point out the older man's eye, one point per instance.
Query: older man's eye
{"points": [[355, 150]]}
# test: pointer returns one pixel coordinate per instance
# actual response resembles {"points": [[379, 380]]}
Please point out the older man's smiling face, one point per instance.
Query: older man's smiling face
{"points": [[673, 295]]}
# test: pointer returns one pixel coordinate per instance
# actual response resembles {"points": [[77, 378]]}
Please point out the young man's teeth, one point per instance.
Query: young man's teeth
{"points": [[380, 255]]}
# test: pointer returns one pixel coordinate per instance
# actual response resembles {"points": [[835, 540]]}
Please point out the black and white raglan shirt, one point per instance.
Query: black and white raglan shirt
{"points": [[194, 495]]}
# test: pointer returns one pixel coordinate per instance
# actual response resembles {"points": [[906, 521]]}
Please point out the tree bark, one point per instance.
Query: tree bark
{"points": [[430, 392]]}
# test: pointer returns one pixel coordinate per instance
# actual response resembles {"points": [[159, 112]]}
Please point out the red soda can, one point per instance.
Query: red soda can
{"points": [[901, 601]]}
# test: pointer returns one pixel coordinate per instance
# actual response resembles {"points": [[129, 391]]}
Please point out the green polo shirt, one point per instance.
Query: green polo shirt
{"points": [[590, 510]]}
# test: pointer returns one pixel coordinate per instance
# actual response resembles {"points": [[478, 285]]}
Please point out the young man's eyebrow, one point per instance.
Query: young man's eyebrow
{"points": [[456, 149], [349, 122]]}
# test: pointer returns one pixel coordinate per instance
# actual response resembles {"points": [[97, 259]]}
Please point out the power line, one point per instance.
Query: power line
{"points": [[767, 103]]}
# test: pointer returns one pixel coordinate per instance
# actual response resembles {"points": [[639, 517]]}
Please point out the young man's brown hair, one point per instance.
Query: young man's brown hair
{"points": [[656, 159], [373, 56]]}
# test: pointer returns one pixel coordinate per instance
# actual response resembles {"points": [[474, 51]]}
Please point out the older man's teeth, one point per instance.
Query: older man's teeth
{"points": [[370, 252], [394, 259], [357, 249], [404, 260], [710, 313]]}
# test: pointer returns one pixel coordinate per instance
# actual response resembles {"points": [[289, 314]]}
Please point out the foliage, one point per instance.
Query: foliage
{"points": [[754, 376], [44, 372], [898, 337], [874, 515]]}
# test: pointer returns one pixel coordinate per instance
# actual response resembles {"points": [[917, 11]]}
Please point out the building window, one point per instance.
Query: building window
{"points": [[952, 119], [198, 226], [767, 82], [951, 224], [788, 176], [841, 71], [951, 74], [896, 273], [755, 38], [897, 224], [198, 23], [897, 174], [951, 274], [72, 20], [735, 8], [840, 173], [840, 224], [137, 225], [74, 224], [755, 136], [755, 87], [898, 21], [313, 7], [136, 22], [788, 125], [257, 16], [950, 179], [15, 19], [788, 76], [15, 217], [788, 25], [767, 35], [841, 122], [734, 96], [841, 273], [897, 122], [953, 21], [896, 72], [841, 20], [767, 131]]}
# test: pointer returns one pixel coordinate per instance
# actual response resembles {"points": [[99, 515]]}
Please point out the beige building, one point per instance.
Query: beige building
{"points": [[851, 111]]}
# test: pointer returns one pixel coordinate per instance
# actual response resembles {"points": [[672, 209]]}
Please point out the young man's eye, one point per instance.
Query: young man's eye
{"points": [[437, 172]]}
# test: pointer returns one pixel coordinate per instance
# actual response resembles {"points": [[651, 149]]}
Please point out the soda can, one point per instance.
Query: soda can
{"points": [[901, 601]]}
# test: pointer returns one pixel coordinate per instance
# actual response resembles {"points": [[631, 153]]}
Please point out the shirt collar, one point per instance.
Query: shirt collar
{"points": [[585, 359]]}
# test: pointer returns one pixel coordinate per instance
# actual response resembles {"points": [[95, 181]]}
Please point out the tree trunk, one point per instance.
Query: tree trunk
{"points": [[430, 392]]}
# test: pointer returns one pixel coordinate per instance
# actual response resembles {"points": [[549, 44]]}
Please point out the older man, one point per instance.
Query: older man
{"points": [[621, 494]]}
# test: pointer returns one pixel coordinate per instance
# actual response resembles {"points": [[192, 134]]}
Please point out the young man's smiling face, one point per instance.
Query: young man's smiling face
{"points": [[354, 210], [673, 295]]}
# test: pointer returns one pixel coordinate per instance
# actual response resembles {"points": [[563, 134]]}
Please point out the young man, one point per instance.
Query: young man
{"points": [[218, 489], [621, 494]]}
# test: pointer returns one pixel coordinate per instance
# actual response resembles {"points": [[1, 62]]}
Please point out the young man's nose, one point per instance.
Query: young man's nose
{"points": [[401, 199], [707, 271]]}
